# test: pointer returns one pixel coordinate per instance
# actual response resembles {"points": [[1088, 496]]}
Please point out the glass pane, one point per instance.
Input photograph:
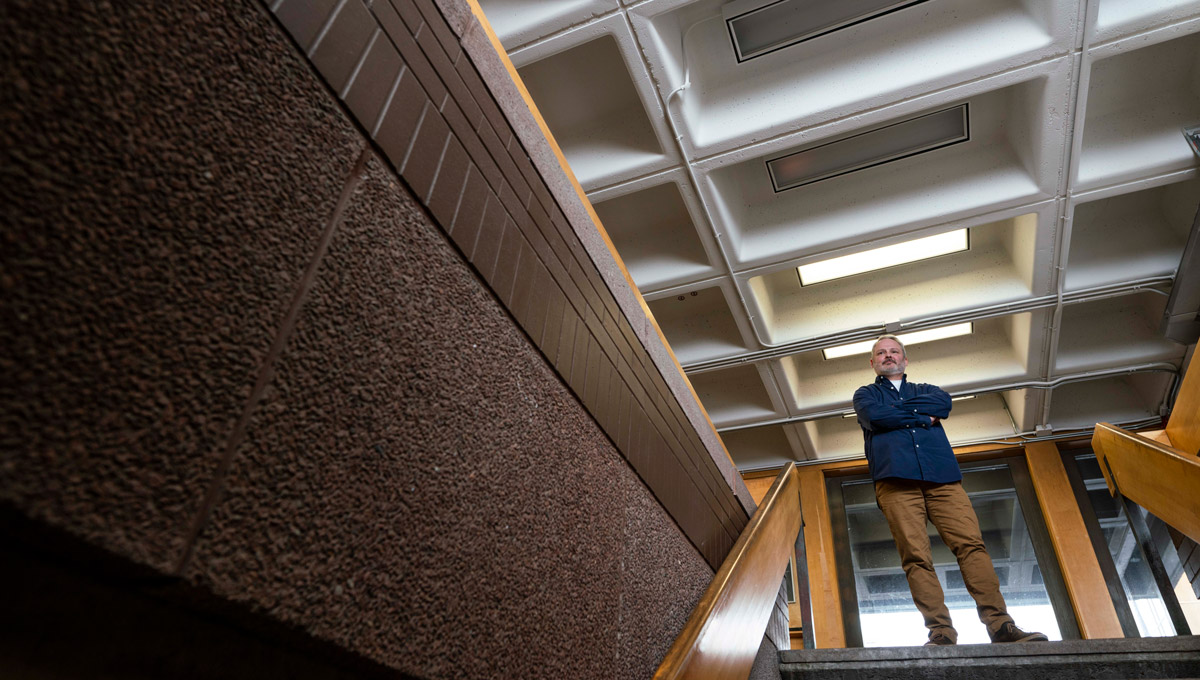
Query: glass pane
{"points": [[885, 608], [789, 583], [1143, 595]]}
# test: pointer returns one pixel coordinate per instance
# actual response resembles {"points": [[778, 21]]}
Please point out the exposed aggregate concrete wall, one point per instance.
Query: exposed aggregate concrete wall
{"points": [[239, 352]]}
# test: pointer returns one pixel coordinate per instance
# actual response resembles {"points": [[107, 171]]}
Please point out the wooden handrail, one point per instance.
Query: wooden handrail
{"points": [[1160, 478], [723, 634]]}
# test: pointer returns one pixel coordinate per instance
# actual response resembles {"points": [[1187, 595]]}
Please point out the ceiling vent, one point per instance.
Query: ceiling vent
{"points": [[874, 147], [757, 27]]}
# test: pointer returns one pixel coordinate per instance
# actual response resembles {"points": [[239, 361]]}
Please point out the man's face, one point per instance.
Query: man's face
{"points": [[888, 359]]}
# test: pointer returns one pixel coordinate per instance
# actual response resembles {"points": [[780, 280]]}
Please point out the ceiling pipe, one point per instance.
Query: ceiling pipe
{"points": [[1156, 367], [677, 135], [1064, 224], [1019, 439], [1149, 284]]}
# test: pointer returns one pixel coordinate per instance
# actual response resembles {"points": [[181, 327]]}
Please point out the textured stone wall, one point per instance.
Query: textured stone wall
{"points": [[242, 356]]}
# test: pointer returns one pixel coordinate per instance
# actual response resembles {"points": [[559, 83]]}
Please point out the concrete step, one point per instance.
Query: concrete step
{"points": [[1173, 657]]}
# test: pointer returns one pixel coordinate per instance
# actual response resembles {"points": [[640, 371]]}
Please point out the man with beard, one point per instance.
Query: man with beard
{"points": [[917, 479]]}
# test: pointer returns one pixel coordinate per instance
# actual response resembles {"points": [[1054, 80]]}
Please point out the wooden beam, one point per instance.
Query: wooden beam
{"points": [[1160, 478], [1094, 609], [724, 632], [828, 630], [1183, 428]]}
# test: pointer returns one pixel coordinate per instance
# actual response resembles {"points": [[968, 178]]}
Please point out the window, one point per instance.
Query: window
{"points": [[1146, 607], [877, 608]]}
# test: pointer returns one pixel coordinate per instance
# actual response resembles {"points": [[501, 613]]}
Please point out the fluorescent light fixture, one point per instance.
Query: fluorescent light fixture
{"points": [[873, 147], [908, 339], [887, 256], [757, 27]]}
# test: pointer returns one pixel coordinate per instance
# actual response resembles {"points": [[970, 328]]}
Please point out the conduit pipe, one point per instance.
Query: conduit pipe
{"points": [[1021, 439], [1062, 248], [979, 313], [1156, 367]]}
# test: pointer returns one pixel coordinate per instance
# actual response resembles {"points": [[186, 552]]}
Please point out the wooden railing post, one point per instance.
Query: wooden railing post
{"points": [[1086, 586]]}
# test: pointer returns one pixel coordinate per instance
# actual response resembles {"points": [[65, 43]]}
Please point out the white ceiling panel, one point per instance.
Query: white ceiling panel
{"points": [[1076, 187]]}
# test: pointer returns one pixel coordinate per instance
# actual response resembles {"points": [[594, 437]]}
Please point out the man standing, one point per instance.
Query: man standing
{"points": [[917, 479]]}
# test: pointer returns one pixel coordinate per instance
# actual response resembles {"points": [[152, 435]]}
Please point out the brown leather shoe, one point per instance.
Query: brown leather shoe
{"points": [[1010, 633], [939, 639]]}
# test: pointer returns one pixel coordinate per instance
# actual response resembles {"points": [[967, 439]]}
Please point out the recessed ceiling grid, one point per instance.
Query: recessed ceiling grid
{"points": [[1074, 188]]}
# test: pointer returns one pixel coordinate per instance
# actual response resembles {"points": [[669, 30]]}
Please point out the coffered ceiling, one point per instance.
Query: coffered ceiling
{"points": [[1072, 179]]}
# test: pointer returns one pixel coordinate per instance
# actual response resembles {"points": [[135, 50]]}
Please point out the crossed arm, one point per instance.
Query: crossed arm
{"points": [[925, 409]]}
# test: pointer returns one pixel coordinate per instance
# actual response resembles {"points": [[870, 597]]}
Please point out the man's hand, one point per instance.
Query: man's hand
{"points": [[934, 420]]}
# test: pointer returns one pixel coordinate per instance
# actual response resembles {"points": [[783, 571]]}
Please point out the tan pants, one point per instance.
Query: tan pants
{"points": [[907, 504]]}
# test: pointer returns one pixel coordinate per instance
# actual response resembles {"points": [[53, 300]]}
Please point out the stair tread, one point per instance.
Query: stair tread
{"points": [[1182, 643], [1166, 657]]}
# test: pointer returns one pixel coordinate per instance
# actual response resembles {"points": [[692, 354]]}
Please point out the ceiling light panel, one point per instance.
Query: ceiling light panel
{"points": [[992, 171], [999, 267], [887, 256], [1012, 345], [757, 29], [868, 149], [908, 339]]}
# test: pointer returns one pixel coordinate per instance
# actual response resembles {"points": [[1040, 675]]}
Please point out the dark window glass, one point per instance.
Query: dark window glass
{"points": [[887, 615], [1145, 600]]}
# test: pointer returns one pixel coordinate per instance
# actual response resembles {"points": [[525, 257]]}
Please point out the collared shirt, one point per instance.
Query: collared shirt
{"points": [[898, 434]]}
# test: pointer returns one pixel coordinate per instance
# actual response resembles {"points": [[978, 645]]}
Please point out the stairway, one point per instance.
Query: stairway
{"points": [[1171, 657]]}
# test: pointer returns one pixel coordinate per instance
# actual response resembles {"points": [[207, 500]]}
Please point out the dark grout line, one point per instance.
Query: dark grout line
{"points": [[266, 371]]}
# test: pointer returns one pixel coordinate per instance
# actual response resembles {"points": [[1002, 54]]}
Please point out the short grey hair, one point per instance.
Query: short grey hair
{"points": [[903, 352]]}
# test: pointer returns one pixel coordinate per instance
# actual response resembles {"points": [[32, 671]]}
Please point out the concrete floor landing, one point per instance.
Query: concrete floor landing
{"points": [[1174, 657]]}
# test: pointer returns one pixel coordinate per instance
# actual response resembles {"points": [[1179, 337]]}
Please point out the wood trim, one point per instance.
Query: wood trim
{"points": [[759, 486], [482, 19], [797, 639], [1183, 428], [1160, 478], [1159, 436], [822, 567], [1094, 610], [724, 632]]}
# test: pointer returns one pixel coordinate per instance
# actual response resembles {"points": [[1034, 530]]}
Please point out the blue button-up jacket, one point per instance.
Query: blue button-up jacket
{"points": [[900, 441]]}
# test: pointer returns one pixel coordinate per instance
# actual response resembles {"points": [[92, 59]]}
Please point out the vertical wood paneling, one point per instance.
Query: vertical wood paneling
{"points": [[1094, 609], [828, 629], [1184, 425]]}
